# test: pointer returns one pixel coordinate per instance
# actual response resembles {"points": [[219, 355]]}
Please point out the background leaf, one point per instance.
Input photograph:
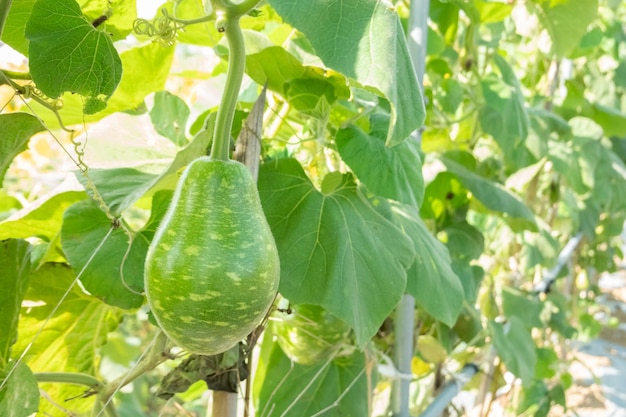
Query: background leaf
{"points": [[204, 34], [576, 160], [68, 54], [17, 129], [363, 39], [15, 24], [523, 306], [503, 115], [492, 195], [169, 117], [515, 346], [41, 219], [69, 341], [335, 249], [566, 22], [464, 241], [14, 277], [20, 396]]}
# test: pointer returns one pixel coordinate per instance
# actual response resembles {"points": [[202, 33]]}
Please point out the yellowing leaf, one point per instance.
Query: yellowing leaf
{"points": [[430, 349]]}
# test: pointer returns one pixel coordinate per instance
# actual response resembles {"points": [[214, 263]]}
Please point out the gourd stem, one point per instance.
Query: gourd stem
{"points": [[226, 112]]}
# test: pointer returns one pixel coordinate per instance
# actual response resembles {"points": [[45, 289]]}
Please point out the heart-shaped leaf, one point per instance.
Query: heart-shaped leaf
{"points": [[68, 54], [335, 249]]}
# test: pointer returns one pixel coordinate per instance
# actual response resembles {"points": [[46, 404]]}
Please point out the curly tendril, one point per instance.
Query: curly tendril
{"points": [[79, 150], [30, 91], [164, 28]]}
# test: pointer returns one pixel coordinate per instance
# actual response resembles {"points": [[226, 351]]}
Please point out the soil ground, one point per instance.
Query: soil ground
{"points": [[600, 370]]}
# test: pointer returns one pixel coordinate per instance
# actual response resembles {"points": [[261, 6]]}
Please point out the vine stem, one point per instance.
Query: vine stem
{"points": [[155, 355]]}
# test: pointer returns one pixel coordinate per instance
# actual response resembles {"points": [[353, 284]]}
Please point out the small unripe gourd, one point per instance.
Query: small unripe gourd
{"points": [[310, 335], [212, 269]]}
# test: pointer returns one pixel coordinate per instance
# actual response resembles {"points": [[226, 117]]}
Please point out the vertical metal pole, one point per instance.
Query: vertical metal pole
{"points": [[418, 36], [405, 312], [403, 354]]}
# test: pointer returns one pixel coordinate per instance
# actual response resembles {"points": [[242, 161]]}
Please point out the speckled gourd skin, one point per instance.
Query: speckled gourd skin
{"points": [[212, 269]]}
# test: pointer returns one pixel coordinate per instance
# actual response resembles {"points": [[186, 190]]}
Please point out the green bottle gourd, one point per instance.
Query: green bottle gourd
{"points": [[212, 269]]}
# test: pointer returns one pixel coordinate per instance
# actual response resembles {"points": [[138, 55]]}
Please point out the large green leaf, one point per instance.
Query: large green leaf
{"points": [[340, 387], [492, 195], [122, 13], [335, 249], [515, 346], [394, 173], [20, 396], [14, 277], [42, 219], [436, 288], [67, 54], [115, 268], [69, 341], [566, 21], [363, 39], [17, 129]]}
